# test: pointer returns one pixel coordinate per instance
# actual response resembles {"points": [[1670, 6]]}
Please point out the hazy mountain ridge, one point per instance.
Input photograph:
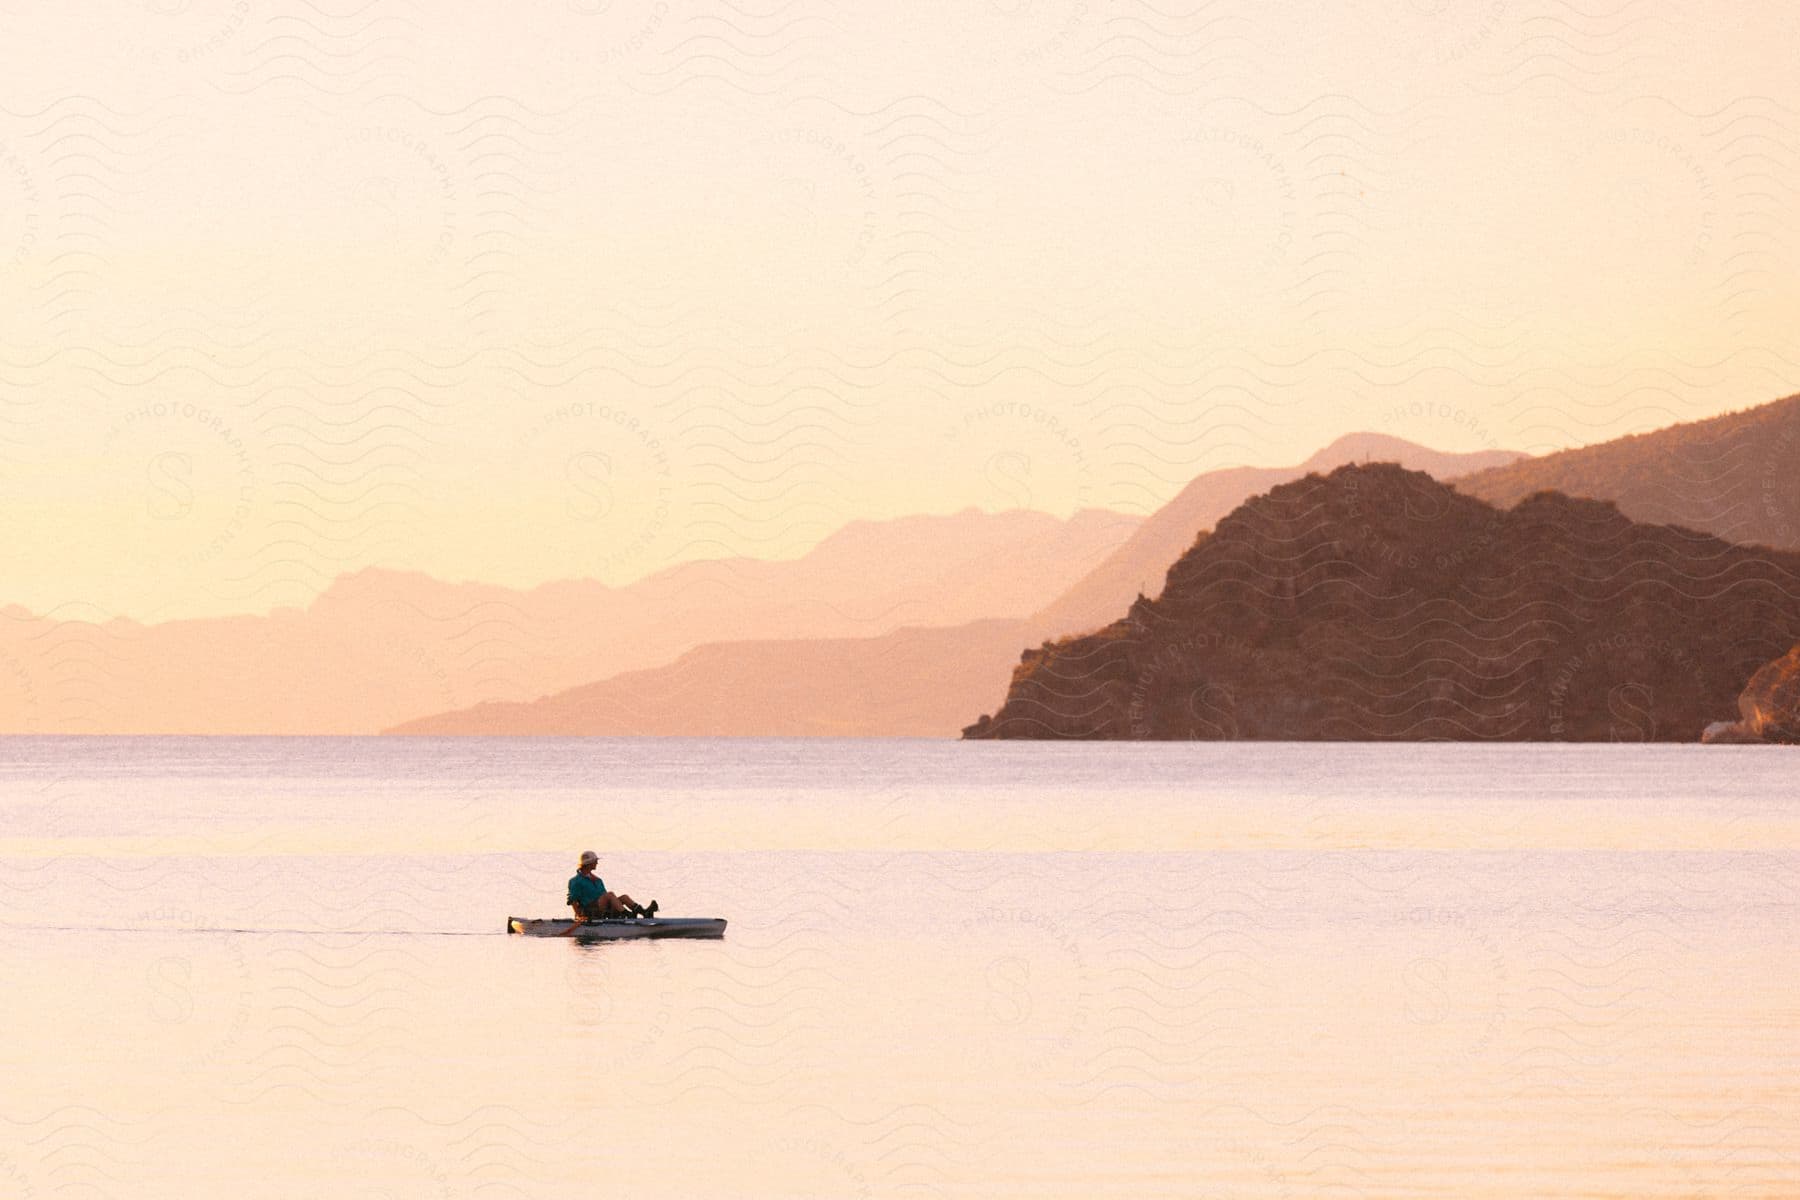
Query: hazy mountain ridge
{"points": [[1736, 476], [892, 685], [771, 689], [1376, 603], [1140, 564], [379, 646]]}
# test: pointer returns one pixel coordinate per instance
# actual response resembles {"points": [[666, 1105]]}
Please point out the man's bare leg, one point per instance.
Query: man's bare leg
{"points": [[612, 905]]}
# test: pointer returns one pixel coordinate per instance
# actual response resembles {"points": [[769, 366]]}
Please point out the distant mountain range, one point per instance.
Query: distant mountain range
{"points": [[887, 628], [916, 681], [1736, 476], [1376, 603], [380, 646], [901, 684]]}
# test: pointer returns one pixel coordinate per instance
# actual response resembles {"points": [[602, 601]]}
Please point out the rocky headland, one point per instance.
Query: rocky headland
{"points": [[1376, 603], [1769, 708]]}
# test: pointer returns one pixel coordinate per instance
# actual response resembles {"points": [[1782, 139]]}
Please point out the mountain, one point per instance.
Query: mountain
{"points": [[379, 646], [1376, 603], [1736, 476], [1139, 564], [902, 684], [914, 681]]}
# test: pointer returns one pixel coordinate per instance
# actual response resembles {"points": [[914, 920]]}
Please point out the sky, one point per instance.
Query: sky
{"points": [[589, 287]]}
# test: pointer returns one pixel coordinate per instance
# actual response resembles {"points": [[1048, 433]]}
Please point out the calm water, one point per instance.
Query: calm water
{"points": [[275, 968]]}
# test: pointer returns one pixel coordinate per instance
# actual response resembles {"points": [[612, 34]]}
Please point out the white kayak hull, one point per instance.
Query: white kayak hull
{"points": [[620, 930]]}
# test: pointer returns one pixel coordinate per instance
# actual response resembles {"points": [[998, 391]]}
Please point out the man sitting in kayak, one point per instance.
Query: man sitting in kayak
{"points": [[592, 902]]}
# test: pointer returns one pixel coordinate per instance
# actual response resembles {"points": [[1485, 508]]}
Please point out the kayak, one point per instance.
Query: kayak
{"points": [[620, 929]]}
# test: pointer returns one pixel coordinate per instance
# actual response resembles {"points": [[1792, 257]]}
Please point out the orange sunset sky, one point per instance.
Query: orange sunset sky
{"points": [[583, 289]]}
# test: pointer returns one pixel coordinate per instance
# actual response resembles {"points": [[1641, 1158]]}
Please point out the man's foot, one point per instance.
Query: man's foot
{"points": [[649, 911]]}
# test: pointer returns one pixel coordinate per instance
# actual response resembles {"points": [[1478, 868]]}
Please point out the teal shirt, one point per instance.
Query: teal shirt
{"points": [[585, 890]]}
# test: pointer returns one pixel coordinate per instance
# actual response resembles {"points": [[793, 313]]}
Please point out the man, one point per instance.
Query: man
{"points": [[592, 902]]}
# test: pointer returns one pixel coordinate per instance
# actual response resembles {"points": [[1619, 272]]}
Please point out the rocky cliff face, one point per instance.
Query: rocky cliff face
{"points": [[1375, 603], [1769, 708]]}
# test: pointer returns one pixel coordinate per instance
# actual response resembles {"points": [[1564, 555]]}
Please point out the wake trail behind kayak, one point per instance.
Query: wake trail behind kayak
{"points": [[301, 932]]}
